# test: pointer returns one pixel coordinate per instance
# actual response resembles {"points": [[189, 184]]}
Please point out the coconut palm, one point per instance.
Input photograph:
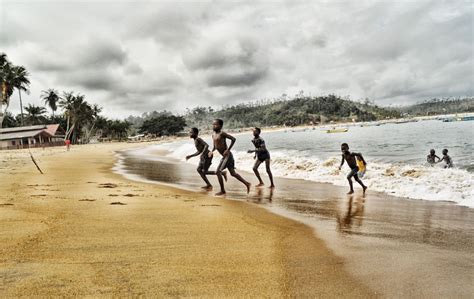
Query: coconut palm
{"points": [[79, 114], [20, 82], [6, 77], [35, 114], [50, 98]]}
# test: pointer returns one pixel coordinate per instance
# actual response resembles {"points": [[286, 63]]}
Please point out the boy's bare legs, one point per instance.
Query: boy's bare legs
{"points": [[224, 174], [255, 170], [269, 172], [204, 178], [221, 182], [349, 178], [356, 177], [241, 179]]}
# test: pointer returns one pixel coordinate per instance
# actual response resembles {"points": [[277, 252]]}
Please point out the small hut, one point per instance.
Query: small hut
{"points": [[31, 136]]}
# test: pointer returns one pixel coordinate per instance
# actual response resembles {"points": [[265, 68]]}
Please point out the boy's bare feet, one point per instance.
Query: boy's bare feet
{"points": [[219, 193], [365, 188], [248, 187], [224, 174], [260, 185], [272, 187], [207, 188], [350, 192]]}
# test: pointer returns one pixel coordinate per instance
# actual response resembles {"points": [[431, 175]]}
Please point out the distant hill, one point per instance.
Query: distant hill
{"points": [[299, 111], [439, 106]]}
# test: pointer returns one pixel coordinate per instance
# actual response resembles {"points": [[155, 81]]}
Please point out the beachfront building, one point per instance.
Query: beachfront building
{"points": [[31, 136]]}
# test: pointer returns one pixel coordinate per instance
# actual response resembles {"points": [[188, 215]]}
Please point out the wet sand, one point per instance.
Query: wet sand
{"points": [[82, 230], [398, 247]]}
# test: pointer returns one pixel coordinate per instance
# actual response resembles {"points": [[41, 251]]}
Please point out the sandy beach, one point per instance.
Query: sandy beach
{"points": [[81, 230]]}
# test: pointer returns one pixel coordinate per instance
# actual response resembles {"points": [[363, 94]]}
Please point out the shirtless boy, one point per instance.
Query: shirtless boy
{"points": [[261, 155], [205, 161], [350, 158], [220, 144]]}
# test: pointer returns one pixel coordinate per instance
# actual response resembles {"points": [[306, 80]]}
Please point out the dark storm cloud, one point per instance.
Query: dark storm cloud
{"points": [[240, 79]]}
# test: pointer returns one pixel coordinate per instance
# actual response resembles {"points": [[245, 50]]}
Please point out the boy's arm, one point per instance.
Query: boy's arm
{"points": [[197, 153], [232, 140], [362, 158], [342, 162], [439, 159]]}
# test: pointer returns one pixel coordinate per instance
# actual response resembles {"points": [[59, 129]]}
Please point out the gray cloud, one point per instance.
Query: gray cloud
{"points": [[140, 56]]}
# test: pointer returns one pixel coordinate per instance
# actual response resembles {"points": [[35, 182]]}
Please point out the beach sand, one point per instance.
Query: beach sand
{"points": [[81, 230]]}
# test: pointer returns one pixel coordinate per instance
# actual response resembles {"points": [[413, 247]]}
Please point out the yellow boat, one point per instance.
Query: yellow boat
{"points": [[340, 130]]}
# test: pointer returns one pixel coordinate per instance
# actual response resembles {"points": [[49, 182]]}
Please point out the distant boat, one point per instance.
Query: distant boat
{"points": [[339, 130], [467, 118]]}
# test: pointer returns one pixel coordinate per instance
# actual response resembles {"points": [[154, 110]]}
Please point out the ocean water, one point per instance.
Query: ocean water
{"points": [[425, 245], [395, 153]]}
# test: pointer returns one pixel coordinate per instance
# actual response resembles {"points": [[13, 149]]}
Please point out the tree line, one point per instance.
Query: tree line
{"points": [[80, 119]]}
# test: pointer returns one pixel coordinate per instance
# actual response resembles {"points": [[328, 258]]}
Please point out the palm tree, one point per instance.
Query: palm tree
{"points": [[65, 103], [50, 98], [79, 113], [6, 87], [35, 114], [20, 82]]}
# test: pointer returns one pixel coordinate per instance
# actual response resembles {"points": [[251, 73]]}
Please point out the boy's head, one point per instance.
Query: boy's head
{"points": [[344, 147], [217, 124], [193, 133], [256, 131], [445, 152], [432, 152]]}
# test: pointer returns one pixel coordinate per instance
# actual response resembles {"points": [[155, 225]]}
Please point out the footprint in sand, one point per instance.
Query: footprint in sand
{"points": [[6, 204], [130, 195], [118, 203], [211, 205], [86, 199], [113, 195], [108, 185]]}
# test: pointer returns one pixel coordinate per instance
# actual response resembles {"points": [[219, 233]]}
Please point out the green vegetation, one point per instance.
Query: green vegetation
{"points": [[299, 111], [440, 106], [165, 124]]}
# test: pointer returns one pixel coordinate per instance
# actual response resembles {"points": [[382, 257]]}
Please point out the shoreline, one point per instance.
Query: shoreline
{"points": [[81, 229], [390, 234]]}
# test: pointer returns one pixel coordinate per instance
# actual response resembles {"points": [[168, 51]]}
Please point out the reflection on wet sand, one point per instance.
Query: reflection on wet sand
{"points": [[345, 222]]}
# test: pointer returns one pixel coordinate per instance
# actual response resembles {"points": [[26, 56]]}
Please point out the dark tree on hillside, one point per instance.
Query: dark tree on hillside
{"points": [[163, 125]]}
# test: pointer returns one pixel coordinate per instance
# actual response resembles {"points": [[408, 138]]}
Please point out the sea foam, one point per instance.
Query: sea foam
{"points": [[397, 179]]}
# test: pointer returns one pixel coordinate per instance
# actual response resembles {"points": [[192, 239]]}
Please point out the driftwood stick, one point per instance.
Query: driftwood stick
{"points": [[34, 161]]}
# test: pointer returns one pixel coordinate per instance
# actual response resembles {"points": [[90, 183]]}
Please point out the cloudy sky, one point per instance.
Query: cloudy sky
{"points": [[148, 55]]}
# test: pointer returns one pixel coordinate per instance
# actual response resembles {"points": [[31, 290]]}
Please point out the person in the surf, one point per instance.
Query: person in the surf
{"points": [[261, 155], [220, 144], [350, 158], [448, 162], [431, 158], [205, 160]]}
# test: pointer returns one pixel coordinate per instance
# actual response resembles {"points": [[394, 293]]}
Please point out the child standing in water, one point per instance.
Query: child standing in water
{"points": [[431, 158], [261, 155], [447, 159], [350, 158], [220, 144]]}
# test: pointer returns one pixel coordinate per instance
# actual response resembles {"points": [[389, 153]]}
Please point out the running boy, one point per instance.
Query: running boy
{"points": [[205, 161], [447, 159], [261, 155], [431, 158], [220, 144], [350, 158]]}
